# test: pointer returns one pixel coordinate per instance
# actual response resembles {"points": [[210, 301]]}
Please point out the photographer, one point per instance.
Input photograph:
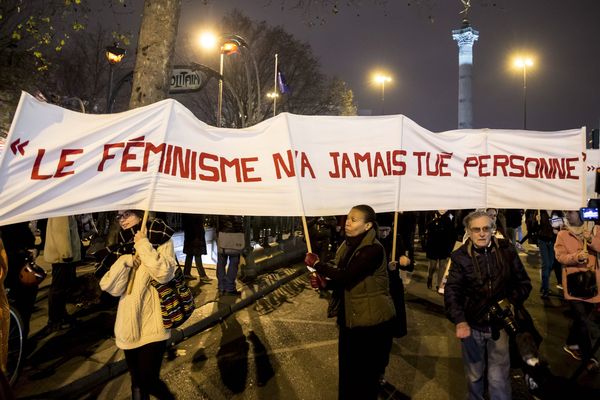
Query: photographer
{"points": [[576, 249], [484, 272]]}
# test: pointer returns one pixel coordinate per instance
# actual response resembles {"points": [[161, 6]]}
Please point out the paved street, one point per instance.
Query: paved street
{"points": [[284, 347]]}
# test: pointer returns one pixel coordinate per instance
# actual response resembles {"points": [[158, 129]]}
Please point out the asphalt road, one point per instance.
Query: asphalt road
{"points": [[284, 347]]}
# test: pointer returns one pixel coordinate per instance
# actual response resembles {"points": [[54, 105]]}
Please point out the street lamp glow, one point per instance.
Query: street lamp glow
{"points": [[114, 54], [227, 44], [382, 79], [521, 62], [208, 40]]}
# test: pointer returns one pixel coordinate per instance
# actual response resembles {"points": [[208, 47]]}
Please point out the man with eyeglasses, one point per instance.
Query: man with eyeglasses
{"points": [[484, 272]]}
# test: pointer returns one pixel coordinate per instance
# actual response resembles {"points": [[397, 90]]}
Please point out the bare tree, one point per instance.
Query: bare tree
{"points": [[80, 71], [245, 97]]}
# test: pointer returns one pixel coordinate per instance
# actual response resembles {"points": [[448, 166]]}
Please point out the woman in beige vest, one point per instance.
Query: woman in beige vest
{"points": [[362, 303]]}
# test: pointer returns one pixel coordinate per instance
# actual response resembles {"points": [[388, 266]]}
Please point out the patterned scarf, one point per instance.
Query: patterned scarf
{"points": [[158, 234]]}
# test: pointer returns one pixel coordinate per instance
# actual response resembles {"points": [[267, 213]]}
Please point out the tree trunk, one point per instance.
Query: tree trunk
{"points": [[158, 32]]}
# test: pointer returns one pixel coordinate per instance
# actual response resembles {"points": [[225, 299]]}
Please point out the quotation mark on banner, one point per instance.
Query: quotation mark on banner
{"points": [[15, 146]]}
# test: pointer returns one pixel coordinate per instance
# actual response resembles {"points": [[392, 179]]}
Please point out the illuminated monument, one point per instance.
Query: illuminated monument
{"points": [[466, 37]]}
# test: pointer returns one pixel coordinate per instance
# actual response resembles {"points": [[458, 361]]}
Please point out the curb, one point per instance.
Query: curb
{"points": [[82, 385]]}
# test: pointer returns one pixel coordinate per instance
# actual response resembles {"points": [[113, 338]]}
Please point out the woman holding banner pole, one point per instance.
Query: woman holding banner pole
{"points": [[362, 303], [143, 252]]}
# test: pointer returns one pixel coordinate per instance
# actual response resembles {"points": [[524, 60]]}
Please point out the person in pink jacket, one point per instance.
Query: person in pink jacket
{"points": [[576, 248]]}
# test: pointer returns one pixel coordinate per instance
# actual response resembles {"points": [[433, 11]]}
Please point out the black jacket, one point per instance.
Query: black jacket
{"points": [[230, 223], [479, 277]]}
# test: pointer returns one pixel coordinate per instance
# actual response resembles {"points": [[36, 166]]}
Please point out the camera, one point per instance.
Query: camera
{"points": [[588, 214], [501, 313]]}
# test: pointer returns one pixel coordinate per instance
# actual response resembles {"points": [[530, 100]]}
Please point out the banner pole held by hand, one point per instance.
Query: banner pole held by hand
{"points": [[305, 225], [133, 269], [145, 221], [394, 238]]}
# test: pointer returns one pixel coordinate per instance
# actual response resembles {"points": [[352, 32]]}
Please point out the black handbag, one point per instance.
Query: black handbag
{"points": [[582, 284]]}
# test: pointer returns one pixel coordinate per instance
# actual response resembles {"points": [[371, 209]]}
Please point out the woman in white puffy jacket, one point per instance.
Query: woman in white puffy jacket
{"points": [[138, 257]]}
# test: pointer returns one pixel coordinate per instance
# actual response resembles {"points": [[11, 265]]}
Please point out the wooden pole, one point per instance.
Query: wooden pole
{"points": [[305, 225], [394, 238], [134, 268]]}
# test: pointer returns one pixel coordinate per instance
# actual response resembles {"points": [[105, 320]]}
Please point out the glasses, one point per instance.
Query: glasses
{"points": [[484, 229], [124, 215]]}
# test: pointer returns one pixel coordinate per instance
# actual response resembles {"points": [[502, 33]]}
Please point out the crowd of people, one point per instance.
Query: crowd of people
{"points": [[473, 255], [485, 286]]}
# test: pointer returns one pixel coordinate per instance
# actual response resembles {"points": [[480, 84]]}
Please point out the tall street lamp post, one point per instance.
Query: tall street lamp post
{"points": [[114, 54], [524, 63], [382, 79], [229, 44]]}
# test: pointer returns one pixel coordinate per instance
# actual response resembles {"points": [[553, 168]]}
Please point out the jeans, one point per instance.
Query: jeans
{"points": [[474, 350], [547, 254], [226, 277]]}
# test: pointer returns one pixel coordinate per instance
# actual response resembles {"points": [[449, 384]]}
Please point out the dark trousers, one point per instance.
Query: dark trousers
{"points": [[187, 267], [22, 297], [580, 333], [362, 353], [144, 367], [63, 279], [24, 301]]}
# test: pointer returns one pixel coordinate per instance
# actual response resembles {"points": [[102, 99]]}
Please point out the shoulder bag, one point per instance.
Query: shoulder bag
{"points": [[231, 242], [582, 284], [176, 300]]}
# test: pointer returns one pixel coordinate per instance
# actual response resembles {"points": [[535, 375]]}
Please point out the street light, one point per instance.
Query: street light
{"points": [[524, 63], [114, 54], [230, 44], [382, 79]]}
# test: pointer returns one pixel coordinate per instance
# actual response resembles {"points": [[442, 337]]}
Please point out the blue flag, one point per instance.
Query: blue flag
{"points": [[281, 82]]}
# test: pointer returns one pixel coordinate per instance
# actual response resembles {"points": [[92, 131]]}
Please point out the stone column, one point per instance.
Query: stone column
{"points": [[466, 37]]}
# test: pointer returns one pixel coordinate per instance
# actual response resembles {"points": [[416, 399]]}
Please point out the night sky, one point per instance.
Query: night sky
{"points": [[412, 40]]}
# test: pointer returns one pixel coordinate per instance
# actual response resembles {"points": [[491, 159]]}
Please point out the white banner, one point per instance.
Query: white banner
{"points": [[60, 162]]}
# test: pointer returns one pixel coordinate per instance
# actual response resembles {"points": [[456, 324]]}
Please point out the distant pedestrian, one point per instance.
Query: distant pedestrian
{"points": [[362, 303], [532, 222], [228, 258], [576, 248], [440, 238], [194, 245], [62, 249], [499, 221], [141, 255], [546, 240], [514, 219], [396, 285]]}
